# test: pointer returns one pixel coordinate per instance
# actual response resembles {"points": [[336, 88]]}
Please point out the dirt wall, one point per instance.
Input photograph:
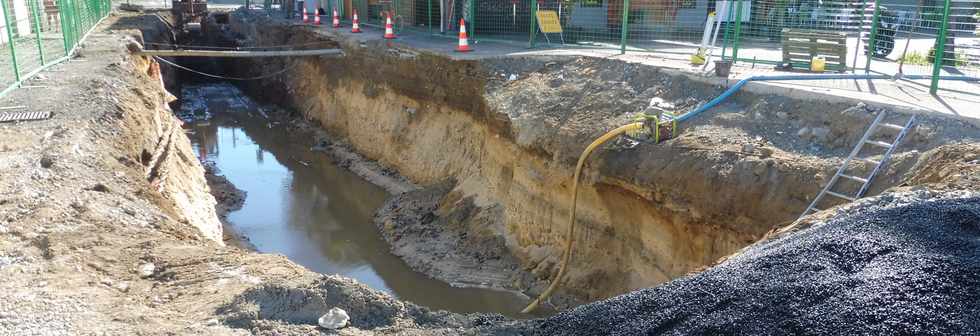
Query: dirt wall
{"points": [[508, 132], [156, 140]]}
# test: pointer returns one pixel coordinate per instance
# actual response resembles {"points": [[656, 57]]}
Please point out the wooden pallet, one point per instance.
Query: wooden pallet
{"points": [[802, 45]]}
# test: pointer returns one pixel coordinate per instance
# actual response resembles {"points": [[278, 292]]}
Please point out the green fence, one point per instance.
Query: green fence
{"points": [[38, 33], [903, 35]]}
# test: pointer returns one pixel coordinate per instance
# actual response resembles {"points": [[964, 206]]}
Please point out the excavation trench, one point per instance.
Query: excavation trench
{"points": [[491, 145], [301, 204], [281, 190]]}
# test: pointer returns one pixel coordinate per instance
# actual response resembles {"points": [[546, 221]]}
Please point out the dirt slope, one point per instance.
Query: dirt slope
{"points": [[107, 227]]}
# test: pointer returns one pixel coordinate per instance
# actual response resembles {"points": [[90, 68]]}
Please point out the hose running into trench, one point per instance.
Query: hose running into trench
{"points": [[639, 126], [569, 236]]}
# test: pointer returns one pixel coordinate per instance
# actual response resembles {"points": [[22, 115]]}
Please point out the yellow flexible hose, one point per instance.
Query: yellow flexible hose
{"points": [[634, 127]]}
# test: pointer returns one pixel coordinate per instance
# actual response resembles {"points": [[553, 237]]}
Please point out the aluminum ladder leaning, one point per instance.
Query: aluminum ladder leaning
{"points": [[865, 181]]}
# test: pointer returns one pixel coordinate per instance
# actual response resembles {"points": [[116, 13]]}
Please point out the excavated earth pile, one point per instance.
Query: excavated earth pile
{"points": [[900, 264]]}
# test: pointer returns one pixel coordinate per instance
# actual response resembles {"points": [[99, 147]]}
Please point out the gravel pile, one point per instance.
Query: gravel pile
{"points": [[897, 264]]}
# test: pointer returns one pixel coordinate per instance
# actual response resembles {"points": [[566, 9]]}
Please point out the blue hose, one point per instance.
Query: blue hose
{"points": [[734, 88]]}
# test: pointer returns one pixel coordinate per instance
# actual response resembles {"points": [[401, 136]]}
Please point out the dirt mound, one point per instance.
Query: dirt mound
{"points": [[287, 310], [902, 263]]}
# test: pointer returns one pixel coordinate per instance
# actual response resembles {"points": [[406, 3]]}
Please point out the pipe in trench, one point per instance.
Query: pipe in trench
{"points": [[734, 88], [240, 53], [567, 255]]}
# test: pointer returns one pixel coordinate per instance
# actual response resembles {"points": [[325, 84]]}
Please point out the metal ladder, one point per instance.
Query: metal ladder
{"points": [[866, 180]]}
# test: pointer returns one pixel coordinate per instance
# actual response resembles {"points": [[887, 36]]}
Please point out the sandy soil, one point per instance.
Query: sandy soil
{"points": [[95, 237]]}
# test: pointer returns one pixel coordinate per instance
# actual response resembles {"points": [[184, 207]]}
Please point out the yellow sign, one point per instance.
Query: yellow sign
{"points": [[548, 21]]}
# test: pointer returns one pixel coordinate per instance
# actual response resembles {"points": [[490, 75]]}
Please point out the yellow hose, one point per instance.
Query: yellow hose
{"points": [[634, 127]]}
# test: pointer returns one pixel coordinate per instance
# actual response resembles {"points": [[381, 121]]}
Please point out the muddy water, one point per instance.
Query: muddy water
{"points": [[301, 205]]}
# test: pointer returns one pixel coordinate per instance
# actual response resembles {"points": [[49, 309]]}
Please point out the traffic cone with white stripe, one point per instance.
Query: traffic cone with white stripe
{"points": [[336, 19], [464, 43], [356, 26], [316, 18], [306, 16], [389, 27]]}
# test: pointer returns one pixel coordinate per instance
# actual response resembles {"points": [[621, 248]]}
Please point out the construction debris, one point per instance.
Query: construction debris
{"points": [[335, 318], [24, 116]]}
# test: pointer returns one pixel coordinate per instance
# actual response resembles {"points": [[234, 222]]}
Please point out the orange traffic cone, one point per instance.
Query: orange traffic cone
{"points": [[464, 44], [316, 18], [306, 17], [356, 26], [336, 19], [389, 28]]}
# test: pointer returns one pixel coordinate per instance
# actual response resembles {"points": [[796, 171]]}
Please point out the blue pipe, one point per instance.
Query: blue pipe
{"points": [[734, 88]]}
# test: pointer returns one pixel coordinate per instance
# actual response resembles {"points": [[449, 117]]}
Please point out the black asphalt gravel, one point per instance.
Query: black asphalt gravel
{"points": [[878, 269]]}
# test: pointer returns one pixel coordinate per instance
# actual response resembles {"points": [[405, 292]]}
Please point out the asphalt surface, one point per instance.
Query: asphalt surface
{"points": [[880, 268]]}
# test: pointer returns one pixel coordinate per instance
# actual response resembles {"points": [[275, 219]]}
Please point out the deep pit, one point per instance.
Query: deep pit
{"points": [[300, 204], [492, 156]]}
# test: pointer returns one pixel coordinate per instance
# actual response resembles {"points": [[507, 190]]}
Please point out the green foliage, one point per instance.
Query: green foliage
{"points": [[916, 58]]}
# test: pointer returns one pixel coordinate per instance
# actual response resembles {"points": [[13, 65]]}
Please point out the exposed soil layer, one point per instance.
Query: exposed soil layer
{"points": [[509, 130], [107, 225], [229, 199], [428, 229]]}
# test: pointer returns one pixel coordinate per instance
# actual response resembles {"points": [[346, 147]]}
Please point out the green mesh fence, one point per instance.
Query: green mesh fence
{"points": [[37, 33], [883, 36]]}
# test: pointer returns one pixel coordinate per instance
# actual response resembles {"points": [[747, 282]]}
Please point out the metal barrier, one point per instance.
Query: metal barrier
{"points": [[38, 33], [903, 34]]}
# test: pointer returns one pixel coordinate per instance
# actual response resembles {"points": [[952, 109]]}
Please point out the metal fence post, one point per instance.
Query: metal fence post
{"points": [[534, 23], [10, 39], [624, 30], [471, 32], [37, 29], [428, 15], [872, 40], [728, 29], [738, 31], [937, 56], [857, 47]]}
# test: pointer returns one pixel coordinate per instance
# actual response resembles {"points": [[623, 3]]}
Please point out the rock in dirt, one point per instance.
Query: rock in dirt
{"points": [[335, 318], [99, 187], [47, 162], [146, 270], [820, 132], [765, 152], [748, 148], [803, 133]]}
